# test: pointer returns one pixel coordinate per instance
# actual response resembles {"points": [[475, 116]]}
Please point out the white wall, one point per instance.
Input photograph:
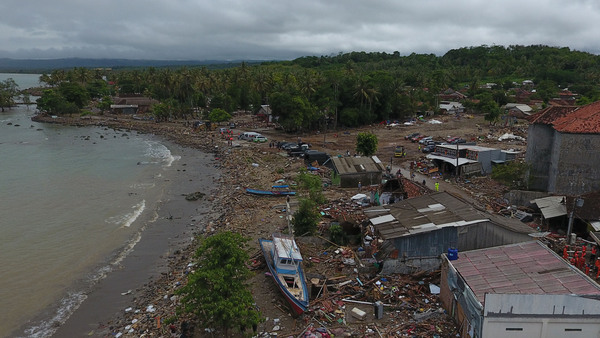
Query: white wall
{"points": [[543, 316], [523, 327]]}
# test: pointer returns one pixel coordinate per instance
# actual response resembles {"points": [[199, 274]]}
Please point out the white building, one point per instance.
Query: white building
{"points": [[519, 290]]}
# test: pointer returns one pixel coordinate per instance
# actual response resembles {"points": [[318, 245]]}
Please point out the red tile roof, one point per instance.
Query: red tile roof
{"points": [[550, 114], [585, 120], [571, 119], [523, 268]]}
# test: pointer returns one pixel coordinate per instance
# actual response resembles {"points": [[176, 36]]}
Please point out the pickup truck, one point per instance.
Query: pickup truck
{"points": [[298, 150]]}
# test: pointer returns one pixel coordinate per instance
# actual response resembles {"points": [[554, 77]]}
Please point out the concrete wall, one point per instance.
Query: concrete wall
{"points": [[547, 316], [577, 164], [538, 327], [540, 139], [523, 197], [486, 157], [365, 179], [563, 163]]}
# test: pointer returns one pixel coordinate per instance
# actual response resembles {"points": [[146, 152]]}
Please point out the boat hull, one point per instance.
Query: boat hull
{"points": [[298, 307], [270, 192]]}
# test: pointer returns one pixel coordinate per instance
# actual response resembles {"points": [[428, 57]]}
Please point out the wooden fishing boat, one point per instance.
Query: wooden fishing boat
{"points": [[285, 264], [270, 192]]}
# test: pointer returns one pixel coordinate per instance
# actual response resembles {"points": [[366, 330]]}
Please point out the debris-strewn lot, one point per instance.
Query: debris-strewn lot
{"points": [[344, 279]]}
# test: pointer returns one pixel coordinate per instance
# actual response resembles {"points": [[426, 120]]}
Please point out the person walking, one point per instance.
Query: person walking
{"points": [[437, 186], [359, 186]]}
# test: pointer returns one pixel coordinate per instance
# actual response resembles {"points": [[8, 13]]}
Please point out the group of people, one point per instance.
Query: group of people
{"points": [[228, 135], [589, 262]]}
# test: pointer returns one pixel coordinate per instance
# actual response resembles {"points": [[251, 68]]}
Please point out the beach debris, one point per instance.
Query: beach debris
{"points": [[358, 313], [194, 196], [509, 136]]}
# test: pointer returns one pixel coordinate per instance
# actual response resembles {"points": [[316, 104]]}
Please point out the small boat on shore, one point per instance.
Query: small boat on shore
{"points": [[270, 192], [284, 261]]}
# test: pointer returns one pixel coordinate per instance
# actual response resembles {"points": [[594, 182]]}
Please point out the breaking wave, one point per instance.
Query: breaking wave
{"points": [[159, 153]]}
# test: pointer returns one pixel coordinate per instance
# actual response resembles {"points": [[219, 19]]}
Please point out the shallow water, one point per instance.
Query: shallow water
{"points": [[71, 201]]}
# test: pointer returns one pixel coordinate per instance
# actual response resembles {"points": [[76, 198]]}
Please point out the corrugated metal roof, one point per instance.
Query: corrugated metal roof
{"points": [[551, 206], [351, 165], [431, 212], [525, 268]]}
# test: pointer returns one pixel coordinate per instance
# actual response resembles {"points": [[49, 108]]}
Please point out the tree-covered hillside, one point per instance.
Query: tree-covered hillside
{"points": [[355, 88]]}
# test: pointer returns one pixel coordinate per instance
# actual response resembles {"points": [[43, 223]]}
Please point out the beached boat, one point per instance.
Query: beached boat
{"points": [[270, 192], [284, 261]]}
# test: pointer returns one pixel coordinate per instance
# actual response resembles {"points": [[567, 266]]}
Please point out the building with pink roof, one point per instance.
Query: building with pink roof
{"points": [[519, 290]]}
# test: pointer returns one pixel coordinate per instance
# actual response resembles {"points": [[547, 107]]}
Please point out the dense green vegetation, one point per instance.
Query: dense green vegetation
{"points": [[366, 143], [306, 219], [217, 291], [513, 174], [8, 90], [353, 89]]}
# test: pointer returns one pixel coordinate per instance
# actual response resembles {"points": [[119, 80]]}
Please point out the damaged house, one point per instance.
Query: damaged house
{"points": [[414, 232], [352, 170], [562, 146]]}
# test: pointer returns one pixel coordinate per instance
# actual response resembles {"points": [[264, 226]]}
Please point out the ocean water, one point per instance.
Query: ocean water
{"points": [[72, 201]]}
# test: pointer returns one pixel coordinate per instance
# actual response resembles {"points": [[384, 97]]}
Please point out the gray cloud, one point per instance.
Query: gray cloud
{"points": [[259, 29]]}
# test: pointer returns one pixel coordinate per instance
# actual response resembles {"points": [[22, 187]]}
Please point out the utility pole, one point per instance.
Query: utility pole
{"points": [[577, 202], [457, 161]]}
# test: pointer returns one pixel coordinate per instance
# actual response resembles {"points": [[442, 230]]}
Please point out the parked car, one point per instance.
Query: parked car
{"points": [[248, 136], [429, 148], [410, 136], [458, 141], [298, 150], [286, 145], [260, 139], [417, 138], [424, 140]]}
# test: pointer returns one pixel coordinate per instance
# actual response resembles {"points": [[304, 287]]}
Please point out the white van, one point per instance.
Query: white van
{"points": [[249, 136]]}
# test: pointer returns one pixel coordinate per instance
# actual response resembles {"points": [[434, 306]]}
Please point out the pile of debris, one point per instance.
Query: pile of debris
{"points": [[395, 305]]}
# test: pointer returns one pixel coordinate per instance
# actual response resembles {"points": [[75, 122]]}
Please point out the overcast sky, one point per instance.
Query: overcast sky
{"points": [[285, 29]]}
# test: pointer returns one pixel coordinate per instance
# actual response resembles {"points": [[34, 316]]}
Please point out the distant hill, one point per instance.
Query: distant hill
{"points": [[46, 65]]}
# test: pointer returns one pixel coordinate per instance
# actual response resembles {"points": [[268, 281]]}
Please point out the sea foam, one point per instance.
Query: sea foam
{"points": [[159, 153]]}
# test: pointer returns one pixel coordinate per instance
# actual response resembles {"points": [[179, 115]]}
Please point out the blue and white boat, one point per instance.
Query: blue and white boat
{"points": [[285, 264]]}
